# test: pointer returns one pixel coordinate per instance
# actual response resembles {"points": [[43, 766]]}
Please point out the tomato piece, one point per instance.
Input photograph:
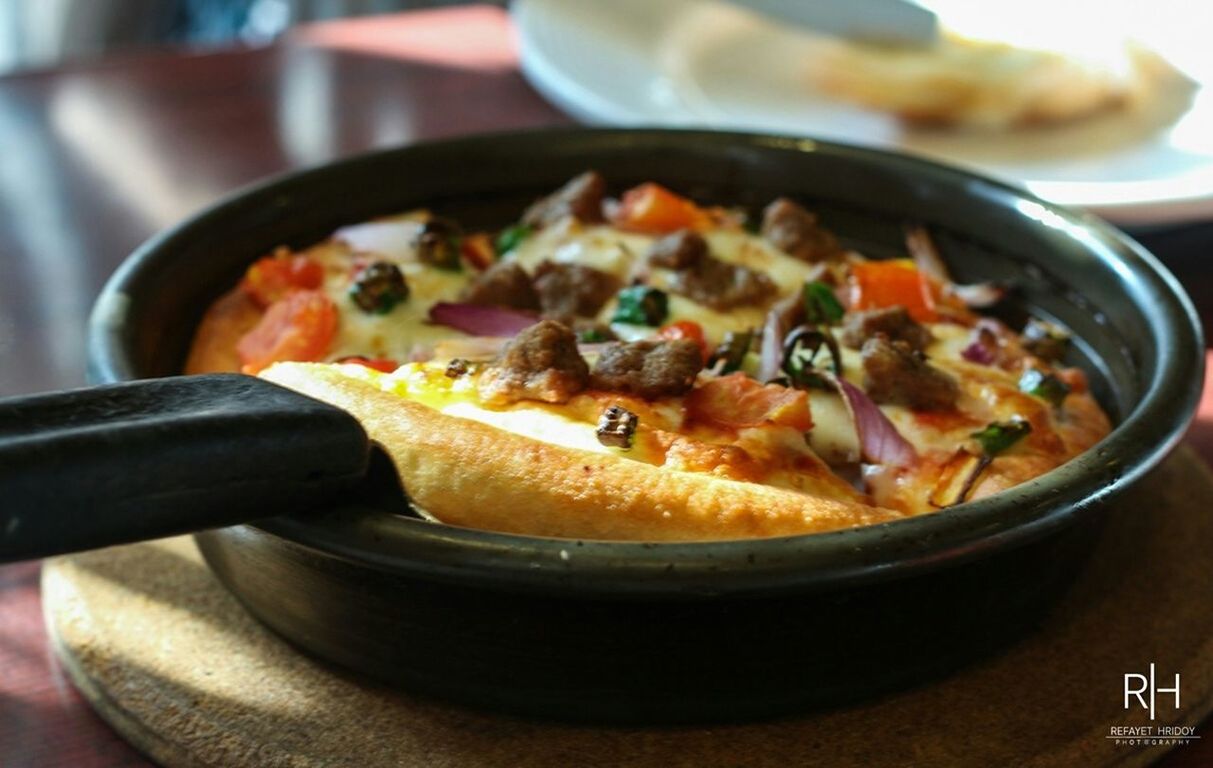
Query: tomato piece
{"points": [[478, 251], [299, 326], [736, 401], [653, 208], [881, 284], [384, 364], [1074, 378], [687, 329], [272, 277]]}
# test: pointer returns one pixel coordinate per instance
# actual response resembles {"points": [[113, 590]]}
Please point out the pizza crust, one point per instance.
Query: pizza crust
{"points": [[535, 488]]}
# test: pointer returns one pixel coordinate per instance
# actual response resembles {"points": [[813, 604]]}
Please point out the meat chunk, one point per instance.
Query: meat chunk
{"points": [[649, 369], [540, 363], [893, 322], [895, 373], [722, 286], [581, 197], [505, 284], [794, 230], [573, 290], [680, 250]]}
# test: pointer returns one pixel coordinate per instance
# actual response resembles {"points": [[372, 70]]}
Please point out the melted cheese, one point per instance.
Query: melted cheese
{"points": [[427, 384]]}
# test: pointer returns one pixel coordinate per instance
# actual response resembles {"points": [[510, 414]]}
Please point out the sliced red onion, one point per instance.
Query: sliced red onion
{"points": [[770, 356], [979, 295], [785, 314], [879, 440], [926, 256], [393, 239], [479, 320], [978, 351]]}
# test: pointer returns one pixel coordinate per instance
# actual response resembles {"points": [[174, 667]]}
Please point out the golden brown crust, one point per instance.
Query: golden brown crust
{"points": [[540, 489]]}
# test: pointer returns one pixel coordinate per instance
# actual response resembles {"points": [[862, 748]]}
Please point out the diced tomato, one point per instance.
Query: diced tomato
{"points": [[653, 208], [736, 401], [272, 277], [299, 326], [377, 363], [881, 284], [687, 329], [478, 251], [1074, 378]]}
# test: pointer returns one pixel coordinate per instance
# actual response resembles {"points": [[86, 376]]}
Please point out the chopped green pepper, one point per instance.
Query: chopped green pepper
{"points": [[592, 335], [1046, 386], [1001, 435], [821, 306], [511, 237], [641, 305], [732, 351], [801, 349]]}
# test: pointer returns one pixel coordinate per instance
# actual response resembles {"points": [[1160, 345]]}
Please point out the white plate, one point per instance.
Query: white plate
{"points": [[706, 63]]}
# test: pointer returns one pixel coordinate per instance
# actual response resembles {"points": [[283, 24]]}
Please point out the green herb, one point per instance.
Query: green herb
{"points": [[511, 237], [802, 356], [1001, 435], [821, 306], [732, 351], [641, 305], [378, 288], [591, 335], [1046, 386]]}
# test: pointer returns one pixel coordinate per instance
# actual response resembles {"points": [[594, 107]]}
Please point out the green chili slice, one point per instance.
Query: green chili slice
{"points": [[641, 305], [821, 306], [1001, 435], [1046, 386]]}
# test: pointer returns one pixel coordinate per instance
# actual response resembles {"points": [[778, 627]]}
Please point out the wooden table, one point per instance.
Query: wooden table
{"points": [[95, 159]]}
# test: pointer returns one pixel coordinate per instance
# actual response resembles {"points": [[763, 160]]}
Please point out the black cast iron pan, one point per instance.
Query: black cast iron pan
{"points": [[634, 632]]}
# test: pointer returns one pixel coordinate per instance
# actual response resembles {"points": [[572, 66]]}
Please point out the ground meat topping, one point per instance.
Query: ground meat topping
{"points": [[581, 198], [680, 250], [722, 286], [649, 369], [794, 230], [540, 363], [504, 284], [573, 290], [895, 373], [893, 322]]}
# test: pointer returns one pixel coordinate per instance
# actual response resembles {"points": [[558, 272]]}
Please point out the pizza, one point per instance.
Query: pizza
{"points": [[649, 368]]}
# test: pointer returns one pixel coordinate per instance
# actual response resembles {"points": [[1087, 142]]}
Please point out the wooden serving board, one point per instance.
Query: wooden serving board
{"points": [[174, 664]]}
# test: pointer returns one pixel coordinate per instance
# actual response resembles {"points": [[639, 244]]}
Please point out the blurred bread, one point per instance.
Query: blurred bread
{"points": [[965, 81]]}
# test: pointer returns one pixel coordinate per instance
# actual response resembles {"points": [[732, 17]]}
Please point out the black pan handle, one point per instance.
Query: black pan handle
{"points": [[127, 462]]}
